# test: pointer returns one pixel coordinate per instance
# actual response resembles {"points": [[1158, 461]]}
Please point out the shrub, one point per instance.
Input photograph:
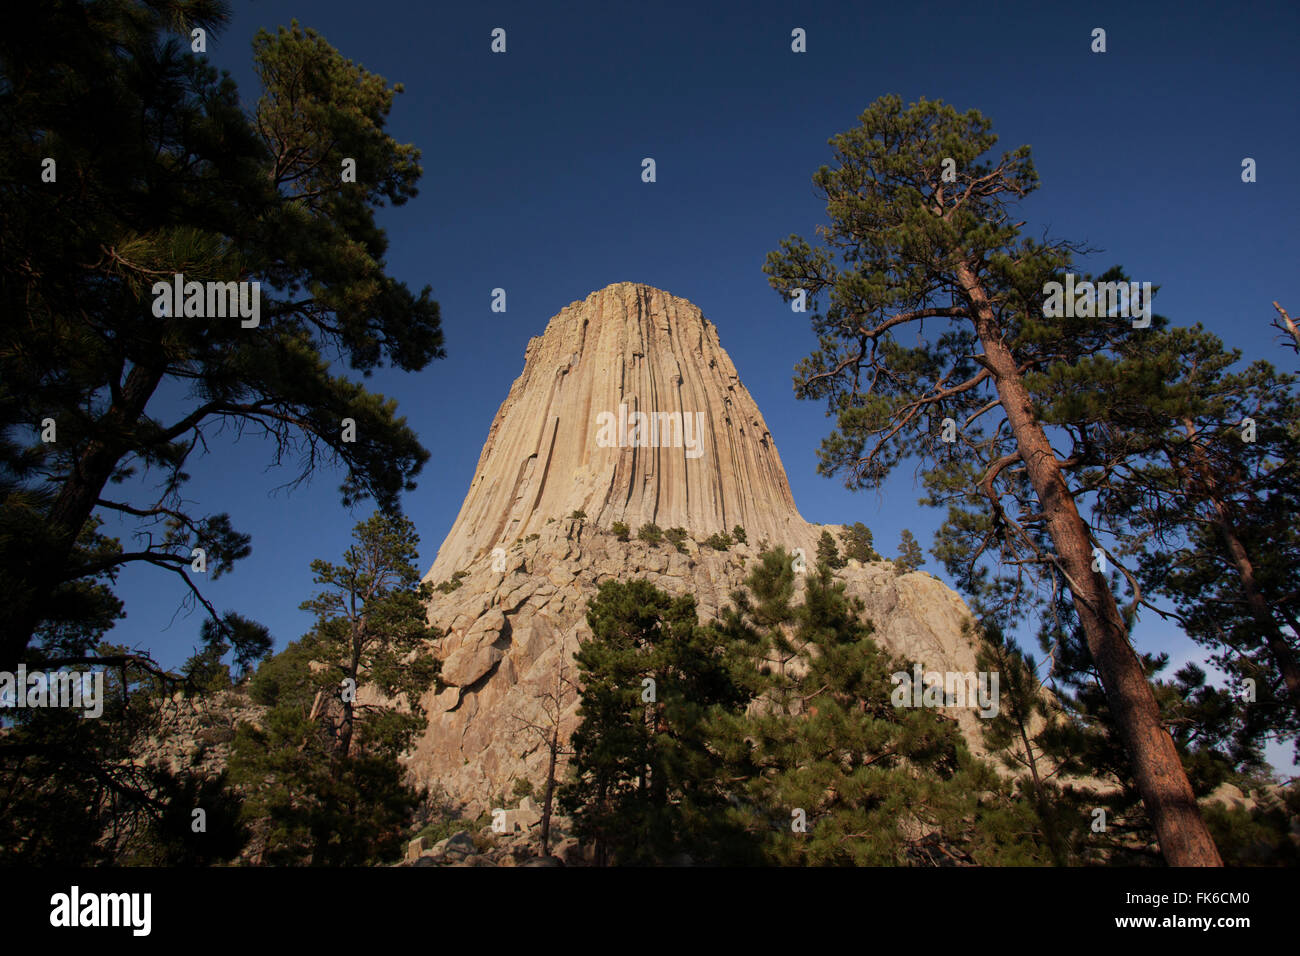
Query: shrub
{"points": [[676, 537], [620, 530], [523, 788], [650, 533], [438, 830], [578, 513], [739, 534], [719, 541], [446, 587]]}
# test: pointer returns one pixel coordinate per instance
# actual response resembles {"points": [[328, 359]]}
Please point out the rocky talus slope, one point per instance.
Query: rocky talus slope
{"points": [[510, 631]]}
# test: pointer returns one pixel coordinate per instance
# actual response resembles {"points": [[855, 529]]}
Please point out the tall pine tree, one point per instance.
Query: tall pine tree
{"points": [[643, 785], [321, 772], [921, 238], [125, 159], [826, 769]]}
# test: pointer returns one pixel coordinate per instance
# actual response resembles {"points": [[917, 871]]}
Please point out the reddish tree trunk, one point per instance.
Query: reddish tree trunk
{"points": [[1283, 657], [1157, 770]]}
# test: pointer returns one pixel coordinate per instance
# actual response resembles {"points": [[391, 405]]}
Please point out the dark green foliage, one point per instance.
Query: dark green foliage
{"points": [[935, 344], [283, 678], [578, 514], [445, 825], [651, 534], [1062, 739], [1207, 514], [718, 541], [175, 841], [642, 785], [878, 784], [620, 530], [739, 534], [205, 671], [828, 553], [307, 808], [736, 737], [1030, 734], [910, 556], [523, 788], [1258, 837], [251, 642], [858, 544], [677, 538], [77, 794], [321, 772], [161, 169], [452, 583]]}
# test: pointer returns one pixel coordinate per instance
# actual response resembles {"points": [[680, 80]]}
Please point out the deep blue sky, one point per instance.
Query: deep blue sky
{"points": [[532, 164]]}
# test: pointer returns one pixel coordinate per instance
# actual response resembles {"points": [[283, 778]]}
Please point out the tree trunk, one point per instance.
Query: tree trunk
{"points": [[344, 746], [1283, 657], [71, 509], [1045, 811], [550, 792], [1157, 770]]}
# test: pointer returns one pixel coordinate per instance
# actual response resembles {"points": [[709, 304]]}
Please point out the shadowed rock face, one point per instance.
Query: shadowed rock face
{"points": [[559, 444]]}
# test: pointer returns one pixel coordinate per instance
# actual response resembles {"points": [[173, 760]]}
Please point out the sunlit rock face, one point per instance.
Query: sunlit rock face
{"points": [[627, 410]]}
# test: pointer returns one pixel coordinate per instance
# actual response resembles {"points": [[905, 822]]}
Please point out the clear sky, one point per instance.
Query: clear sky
{"points": [[532, 183]]}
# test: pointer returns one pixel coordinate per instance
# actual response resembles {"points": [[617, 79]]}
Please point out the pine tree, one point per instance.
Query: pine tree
{"points": [[322, 775], [827, 769], [1198, 475], [1031, 734], [828, 553], [643, 785], [910, 556], [1084, 742], [920, 230], [84, 791], [159, 170], [858, 543]]}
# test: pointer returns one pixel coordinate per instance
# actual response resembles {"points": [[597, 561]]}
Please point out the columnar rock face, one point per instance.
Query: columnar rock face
{"points": [[519, 568], [571, 436]]}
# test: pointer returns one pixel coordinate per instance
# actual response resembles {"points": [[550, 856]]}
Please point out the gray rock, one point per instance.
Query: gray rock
{"points": [[568, 850], [416, 847], [458, 845]]}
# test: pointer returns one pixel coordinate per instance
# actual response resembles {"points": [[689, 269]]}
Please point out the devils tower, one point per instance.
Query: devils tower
{"points": [[566, 438], [627, 410]]}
